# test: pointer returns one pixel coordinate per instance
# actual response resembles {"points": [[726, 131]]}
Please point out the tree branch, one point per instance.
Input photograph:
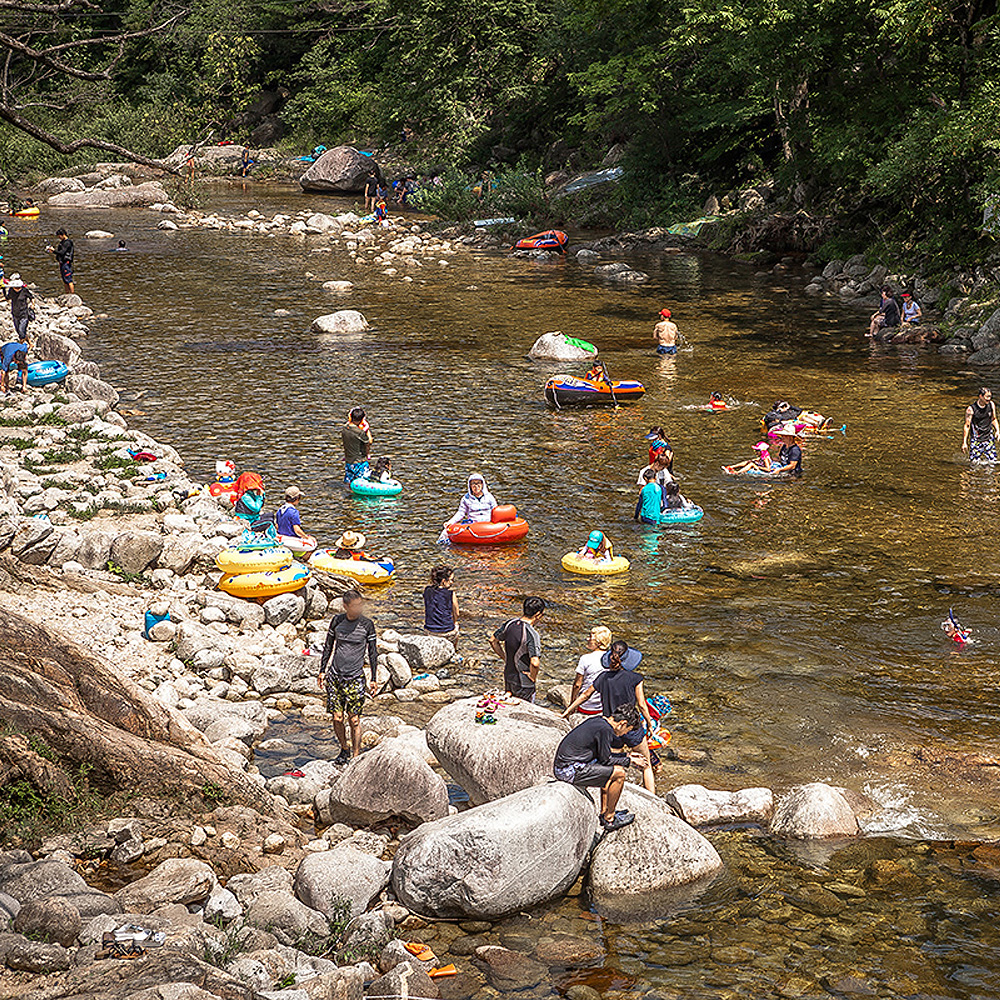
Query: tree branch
{"points": [[9, 115]]}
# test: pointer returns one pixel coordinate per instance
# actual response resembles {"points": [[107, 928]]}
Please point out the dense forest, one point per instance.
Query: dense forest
{"points": [[883, 116]]}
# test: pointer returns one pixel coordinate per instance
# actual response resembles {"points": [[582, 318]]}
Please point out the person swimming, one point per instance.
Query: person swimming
{"points": [[953, 629]]}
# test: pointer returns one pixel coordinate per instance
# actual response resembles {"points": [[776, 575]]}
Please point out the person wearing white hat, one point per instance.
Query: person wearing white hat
{"points": [[19, 296], [790, 456]]}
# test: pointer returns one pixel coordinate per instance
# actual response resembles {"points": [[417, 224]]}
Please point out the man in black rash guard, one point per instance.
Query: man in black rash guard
{"points": [[584, 758], [979, 439], [350, 637]]}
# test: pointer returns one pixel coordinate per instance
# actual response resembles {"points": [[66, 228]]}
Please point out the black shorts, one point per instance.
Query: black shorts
{"points": [[632, 738], [592, 775]]}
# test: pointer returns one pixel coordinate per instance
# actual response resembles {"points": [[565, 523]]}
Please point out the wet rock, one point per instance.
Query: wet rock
{"points": [[98, 234], [341, 169], [176, 880], [509, 971], [499, 858], [492, 761], [701, 806], [988, 356], [285, 917], [341, 875], [567, 950], [51, 919], [554, 346], [37, 957], [389, 780], [814, 812], [657, 852], [608, 270], [346, 321], [394, 953], [338, 286], [425, 652], [814, 898]]}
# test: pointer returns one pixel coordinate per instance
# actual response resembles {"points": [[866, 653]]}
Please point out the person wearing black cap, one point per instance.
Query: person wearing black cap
{"points": [[665, 334]]}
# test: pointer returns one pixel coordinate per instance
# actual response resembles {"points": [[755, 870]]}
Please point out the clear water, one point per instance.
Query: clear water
{"points": [[796, 627]]}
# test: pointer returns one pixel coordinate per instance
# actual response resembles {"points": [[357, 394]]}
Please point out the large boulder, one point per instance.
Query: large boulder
{"points": [[60, 185], [134, 196], [53, 919], [701, 806], [425, 652], [43, 879], [285, 917], [657, 852], [341, 169], [55, 347], [815, 811], [344, 321], [498, 858], [341, 876], [555, 347], [134, 551], [176, 880], [492, 761], [87, 387], [389, 780]]}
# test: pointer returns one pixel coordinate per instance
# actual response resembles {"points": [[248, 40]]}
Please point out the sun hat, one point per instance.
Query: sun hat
{"points": [[665, 313], [352, 540], [595, 539], [786, 430], [762, 446], [293, 493], [15, 281]]}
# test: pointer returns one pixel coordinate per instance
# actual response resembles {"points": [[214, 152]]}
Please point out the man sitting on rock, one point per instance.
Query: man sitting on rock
{"points": [[342, 666], [584, 758]]}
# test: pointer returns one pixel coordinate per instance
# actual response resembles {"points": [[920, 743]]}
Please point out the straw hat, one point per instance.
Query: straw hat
{"points": [[786, 430], [352, 540]]}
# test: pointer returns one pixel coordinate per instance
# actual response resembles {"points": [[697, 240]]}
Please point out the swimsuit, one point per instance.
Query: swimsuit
{"points": [[664, 349]]}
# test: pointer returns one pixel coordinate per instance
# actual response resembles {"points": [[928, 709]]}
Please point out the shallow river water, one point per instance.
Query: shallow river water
{"points": [[796, 628]]}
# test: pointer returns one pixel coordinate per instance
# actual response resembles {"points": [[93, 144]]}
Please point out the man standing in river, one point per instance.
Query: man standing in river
{"points": [[357, 438], [65, 253], [981, 425], [665, 334]]}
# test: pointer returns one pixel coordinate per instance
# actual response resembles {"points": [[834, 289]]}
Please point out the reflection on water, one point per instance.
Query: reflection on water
{"points": [[796, 627]]}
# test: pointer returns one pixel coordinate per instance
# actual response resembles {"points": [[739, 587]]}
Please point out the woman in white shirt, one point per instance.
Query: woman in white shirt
{"points": [[589, 667]]}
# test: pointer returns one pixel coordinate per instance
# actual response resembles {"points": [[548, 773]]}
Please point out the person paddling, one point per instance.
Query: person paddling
{"points": [[979, 439]]}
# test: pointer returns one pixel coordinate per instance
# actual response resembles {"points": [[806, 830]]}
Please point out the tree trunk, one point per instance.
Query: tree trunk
{"points": [[58, 691]]}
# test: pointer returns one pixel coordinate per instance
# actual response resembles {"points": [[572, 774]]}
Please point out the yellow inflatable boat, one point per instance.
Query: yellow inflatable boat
{"points": [[572, 563], [357, 569]]}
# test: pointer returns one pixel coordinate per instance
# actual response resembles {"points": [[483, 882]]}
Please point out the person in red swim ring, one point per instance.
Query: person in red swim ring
{"points": [[716, 402]]}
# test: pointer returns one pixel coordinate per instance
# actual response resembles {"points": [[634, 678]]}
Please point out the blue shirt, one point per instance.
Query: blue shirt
{"points": [[286, 519], [7, 353]]}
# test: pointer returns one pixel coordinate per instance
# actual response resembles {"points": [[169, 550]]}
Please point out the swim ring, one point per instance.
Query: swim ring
{"points": [[240, 560], [27, 213], [297, 545], [376, 488], [357, 569], [268, 583], [504, 527], [226, 491], [687, 515], [46, 372], [572, 563]]}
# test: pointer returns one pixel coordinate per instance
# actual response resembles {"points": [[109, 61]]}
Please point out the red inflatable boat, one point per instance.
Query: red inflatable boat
{"points": [[553, 239], [505, 527]]}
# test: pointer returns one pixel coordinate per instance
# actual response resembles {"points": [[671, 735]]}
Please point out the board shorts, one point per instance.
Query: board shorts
{"points": [[984, 450], [66, 273], [356, 470], [632, 738], [592, 775], [666, 349], [344, 695]]}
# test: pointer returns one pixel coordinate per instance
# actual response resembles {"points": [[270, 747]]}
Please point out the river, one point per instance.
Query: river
{"points": [[796, 628]]}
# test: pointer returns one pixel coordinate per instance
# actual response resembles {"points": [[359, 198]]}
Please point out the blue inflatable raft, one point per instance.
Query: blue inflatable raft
{"points": [[46, 372]]}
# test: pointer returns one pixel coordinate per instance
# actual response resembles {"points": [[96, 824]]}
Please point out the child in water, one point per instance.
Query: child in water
{"points": [[761, 463], [672, 497], [598, 548], [383, 470], [954, 630]]}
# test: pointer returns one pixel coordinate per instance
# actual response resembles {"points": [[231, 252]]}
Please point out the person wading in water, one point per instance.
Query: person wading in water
{"points": [[981, 420]]}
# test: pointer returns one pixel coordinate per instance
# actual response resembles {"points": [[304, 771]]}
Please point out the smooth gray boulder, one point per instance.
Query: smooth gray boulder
{"points": [[133, 196], [87, 387], [60, 185], [701, 806], [246, 887], [39, 879], [134, 551], [341, 169], [53, 919], [342, 875], [344, 321], [425, 652], [285, 917], [499, 858], [283, 608], [555, 347], [655, 853], [815, 811], [389, 780], [490, 762], [176, 880]]}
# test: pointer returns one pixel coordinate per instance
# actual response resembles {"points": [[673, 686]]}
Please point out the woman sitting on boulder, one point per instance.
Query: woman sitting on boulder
{"points": [[249, 496]]}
